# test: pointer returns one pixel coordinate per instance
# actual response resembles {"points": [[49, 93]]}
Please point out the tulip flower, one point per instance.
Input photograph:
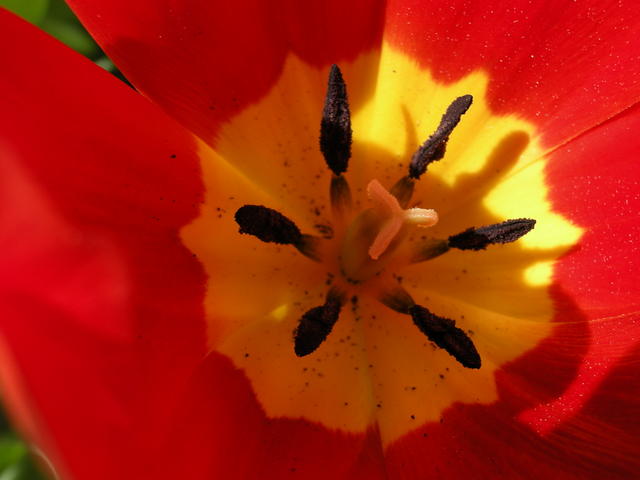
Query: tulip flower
{"points": [[362, 239]]}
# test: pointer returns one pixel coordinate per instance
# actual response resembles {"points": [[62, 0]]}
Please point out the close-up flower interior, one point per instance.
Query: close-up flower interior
{"points": [[362, 239]]}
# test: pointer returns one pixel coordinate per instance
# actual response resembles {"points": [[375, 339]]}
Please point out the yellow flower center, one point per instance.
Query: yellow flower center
{"points": [[375, 368]]}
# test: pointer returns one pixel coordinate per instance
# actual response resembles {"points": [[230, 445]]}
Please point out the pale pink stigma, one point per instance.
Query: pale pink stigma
{"points": [[395, 217]]}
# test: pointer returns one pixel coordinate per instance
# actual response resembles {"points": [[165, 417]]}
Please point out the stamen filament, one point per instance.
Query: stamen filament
{"points": [[340, 195], [403, 190]]}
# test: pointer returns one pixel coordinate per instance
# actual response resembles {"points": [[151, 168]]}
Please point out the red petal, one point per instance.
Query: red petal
{"points": [[205, 60], [595, 182], [222, 432], [104, 351], [101, 304], [566, 409], [565, 65]]}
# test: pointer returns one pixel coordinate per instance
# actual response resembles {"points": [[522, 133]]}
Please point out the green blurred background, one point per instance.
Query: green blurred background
{"points": [[55, 18]]}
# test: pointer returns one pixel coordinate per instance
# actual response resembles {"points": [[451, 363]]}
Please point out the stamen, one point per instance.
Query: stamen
{"points": [[479, 238], [267, 224], [388, 207], [397, 299], [441, 331], [309, 246], [316, 324], [335, 127], [403, 190], [434, 148], [444, 333], [473, 239], [428, 249], [340, 194], [271, 226]]}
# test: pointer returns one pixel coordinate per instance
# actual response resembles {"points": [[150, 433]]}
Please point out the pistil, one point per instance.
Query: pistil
{"points": [[388, 208]]}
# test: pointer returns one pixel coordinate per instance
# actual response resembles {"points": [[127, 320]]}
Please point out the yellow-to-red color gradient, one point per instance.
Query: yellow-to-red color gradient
{"points": [[143, 337], [376, 370]]}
